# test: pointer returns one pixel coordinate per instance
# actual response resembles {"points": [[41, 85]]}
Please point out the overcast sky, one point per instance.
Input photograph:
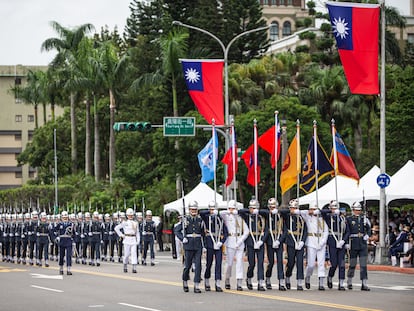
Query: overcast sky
{"points": [[24, 24]]}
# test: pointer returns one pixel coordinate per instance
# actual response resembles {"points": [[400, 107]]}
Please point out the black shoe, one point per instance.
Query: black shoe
{"points": [[61, 272], [349, 286], [218, 289], [287, 285], [46, 265], [134, 271], [69, 273], [321, 287], [83, 262], [300, 288], [207, 288], [185, 288], [329, 284], [90, 263], [282, 288], [125, 270], [77, 261], [260, 288], [152, 264], [98, 264], [307, 285], [239, 288], [268, 286], [197, 290], [249, 285], [365, 288], [227, 286], [341, 288]]}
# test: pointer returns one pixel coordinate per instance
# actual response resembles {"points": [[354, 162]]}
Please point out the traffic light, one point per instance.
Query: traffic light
{"points": [[144, 127]]}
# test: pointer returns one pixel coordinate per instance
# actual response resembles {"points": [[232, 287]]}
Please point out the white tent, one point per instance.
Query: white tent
{"points": [[401, 187], [203, 194], [348, 190]]}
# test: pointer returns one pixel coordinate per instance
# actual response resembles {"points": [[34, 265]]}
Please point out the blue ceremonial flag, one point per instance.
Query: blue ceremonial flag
{"points": [[315, 167], [207, 158]]}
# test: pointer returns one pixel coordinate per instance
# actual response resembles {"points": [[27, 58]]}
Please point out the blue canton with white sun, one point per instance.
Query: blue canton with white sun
{"points": [[193, 75], [341, 21]]}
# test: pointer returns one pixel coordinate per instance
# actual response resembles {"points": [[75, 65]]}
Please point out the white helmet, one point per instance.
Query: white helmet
{"points": [[42, 215], [64, 214], [253, 203], [212, 204], [27, 215], [80, 215], [95, 214], [333, 204], [35, 214], [107, 216], [129, 212], [272, 202], [356, 206], [231, 204], [148, 213], [87, 215], [193, 205], [294, 203]]}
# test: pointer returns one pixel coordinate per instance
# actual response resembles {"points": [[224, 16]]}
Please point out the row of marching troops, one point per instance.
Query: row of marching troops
{"points": [[310, 234], [33, 237]]}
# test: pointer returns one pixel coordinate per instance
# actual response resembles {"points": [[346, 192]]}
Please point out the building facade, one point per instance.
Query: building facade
{"points": [[17, 125]]}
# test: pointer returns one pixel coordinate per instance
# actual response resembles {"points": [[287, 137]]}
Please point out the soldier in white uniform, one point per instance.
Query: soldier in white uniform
{"points": [[315, 244], [238, 231], [131, 239]]}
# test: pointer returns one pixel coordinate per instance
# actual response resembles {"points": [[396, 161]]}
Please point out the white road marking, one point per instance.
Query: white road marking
{"points": [[45, 276], [96, 306], [49, 289], [137, 307]]}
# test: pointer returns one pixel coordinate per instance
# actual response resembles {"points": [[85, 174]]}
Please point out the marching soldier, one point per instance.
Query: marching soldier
{"points": [[140, 219], [129, 232], [77, 237], [296, 233], [360, 231], [148, 230], [95, 233], [85, 237], [43, 232], [191, 232], [255, 243], [106, 229], [6, 238], [64, 231], [25, 236], [274, 243], [216, 235], [315, 244], [31, 230], [238, 231], [338, 234], [119, 246], [12, 235]]}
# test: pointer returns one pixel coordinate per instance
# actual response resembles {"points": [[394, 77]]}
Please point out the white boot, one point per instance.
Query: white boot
{"points": [[393, 261]]}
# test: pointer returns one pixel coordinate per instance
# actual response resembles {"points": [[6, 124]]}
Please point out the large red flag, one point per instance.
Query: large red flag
{"points": [[355, 27], [267, 142], [204, 80], [249, 159], [230, 158]]}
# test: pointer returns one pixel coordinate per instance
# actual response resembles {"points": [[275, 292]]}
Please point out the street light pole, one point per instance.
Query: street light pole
{"points": [[226, 80]]}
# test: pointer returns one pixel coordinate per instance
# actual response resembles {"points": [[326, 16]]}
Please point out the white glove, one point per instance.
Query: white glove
{"points": [[347, 246], [276, 244], [82, 236], [299, 246], [239, 244], [204, 250], [274, 211], [218, 245], [340, 243], [255, 211], [296, 212], [336, 211], [57, 240], [38, 234], [215, 212], [259, 243], [144, 233], [366, 237], [316, 212], [235, 212], [185, 241], [23, 236], [29, 233], [90, 234]]}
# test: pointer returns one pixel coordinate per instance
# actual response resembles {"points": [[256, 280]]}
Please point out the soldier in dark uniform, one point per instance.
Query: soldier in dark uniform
{"points": [[6, 238], [359, 233], [12, 235], [338, 234], [216, 235], [31, 230], [148, 236], [112, 237], [296, 232], [191, 232], [77, 222], [43, 232], [25, 236], [95, 233], [105, 238], [85, 237], [255, 243], [18, 236], [64, 231], [274, 243], [120, 242]]}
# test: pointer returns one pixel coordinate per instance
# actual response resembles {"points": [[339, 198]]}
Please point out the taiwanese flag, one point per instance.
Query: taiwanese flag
{"points": [[249, 159], [267, 142], [344, 164], [230, 159], [204, 80], [355, 27]]}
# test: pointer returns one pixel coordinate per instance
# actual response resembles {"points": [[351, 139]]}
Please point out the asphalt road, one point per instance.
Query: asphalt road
{"points": [[159, 288]]}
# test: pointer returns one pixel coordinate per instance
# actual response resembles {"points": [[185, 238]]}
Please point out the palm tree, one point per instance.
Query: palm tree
{"points": [[66, 45]]}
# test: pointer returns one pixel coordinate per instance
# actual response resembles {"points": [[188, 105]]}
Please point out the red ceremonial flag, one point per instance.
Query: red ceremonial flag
{"points": [[204, 80], [249, 159], [355, 27], [230, 159], [342, 163], [267, 142]]}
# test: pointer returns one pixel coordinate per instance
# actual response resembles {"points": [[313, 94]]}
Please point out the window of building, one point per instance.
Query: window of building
{"points": [[18, 118], [30, 118], [18, 137], [16, 155], [289, 2], [287, 29], [274, 31], [18, 174], [31, 174], [410, 38], [30, 135]]}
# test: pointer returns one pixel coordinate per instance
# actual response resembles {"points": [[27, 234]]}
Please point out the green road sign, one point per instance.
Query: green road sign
{"points": [[179, 126]]}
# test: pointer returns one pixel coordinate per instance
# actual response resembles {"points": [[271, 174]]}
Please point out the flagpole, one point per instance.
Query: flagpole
{"points": [[234, 158], [255, 159], [335, 158], [276, 150], [213, 134], [315, 151], [298, 157]]}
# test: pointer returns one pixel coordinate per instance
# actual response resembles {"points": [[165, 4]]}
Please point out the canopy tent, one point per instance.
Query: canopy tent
{"points": [[348, 190], [203, 194], [401, 188]]}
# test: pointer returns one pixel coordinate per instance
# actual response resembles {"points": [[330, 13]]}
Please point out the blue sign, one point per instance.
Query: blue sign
{"points": [[383, 180]]}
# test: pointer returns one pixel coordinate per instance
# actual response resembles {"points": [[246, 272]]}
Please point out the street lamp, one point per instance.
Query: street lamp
{"points": [[226, 81]]}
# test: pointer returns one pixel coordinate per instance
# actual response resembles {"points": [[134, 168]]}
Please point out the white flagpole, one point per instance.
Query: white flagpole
{"points": [[234, 158], [315, 152], [298, 157], [276, 149], [335, 154], [255, 159], [213, 134]]}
